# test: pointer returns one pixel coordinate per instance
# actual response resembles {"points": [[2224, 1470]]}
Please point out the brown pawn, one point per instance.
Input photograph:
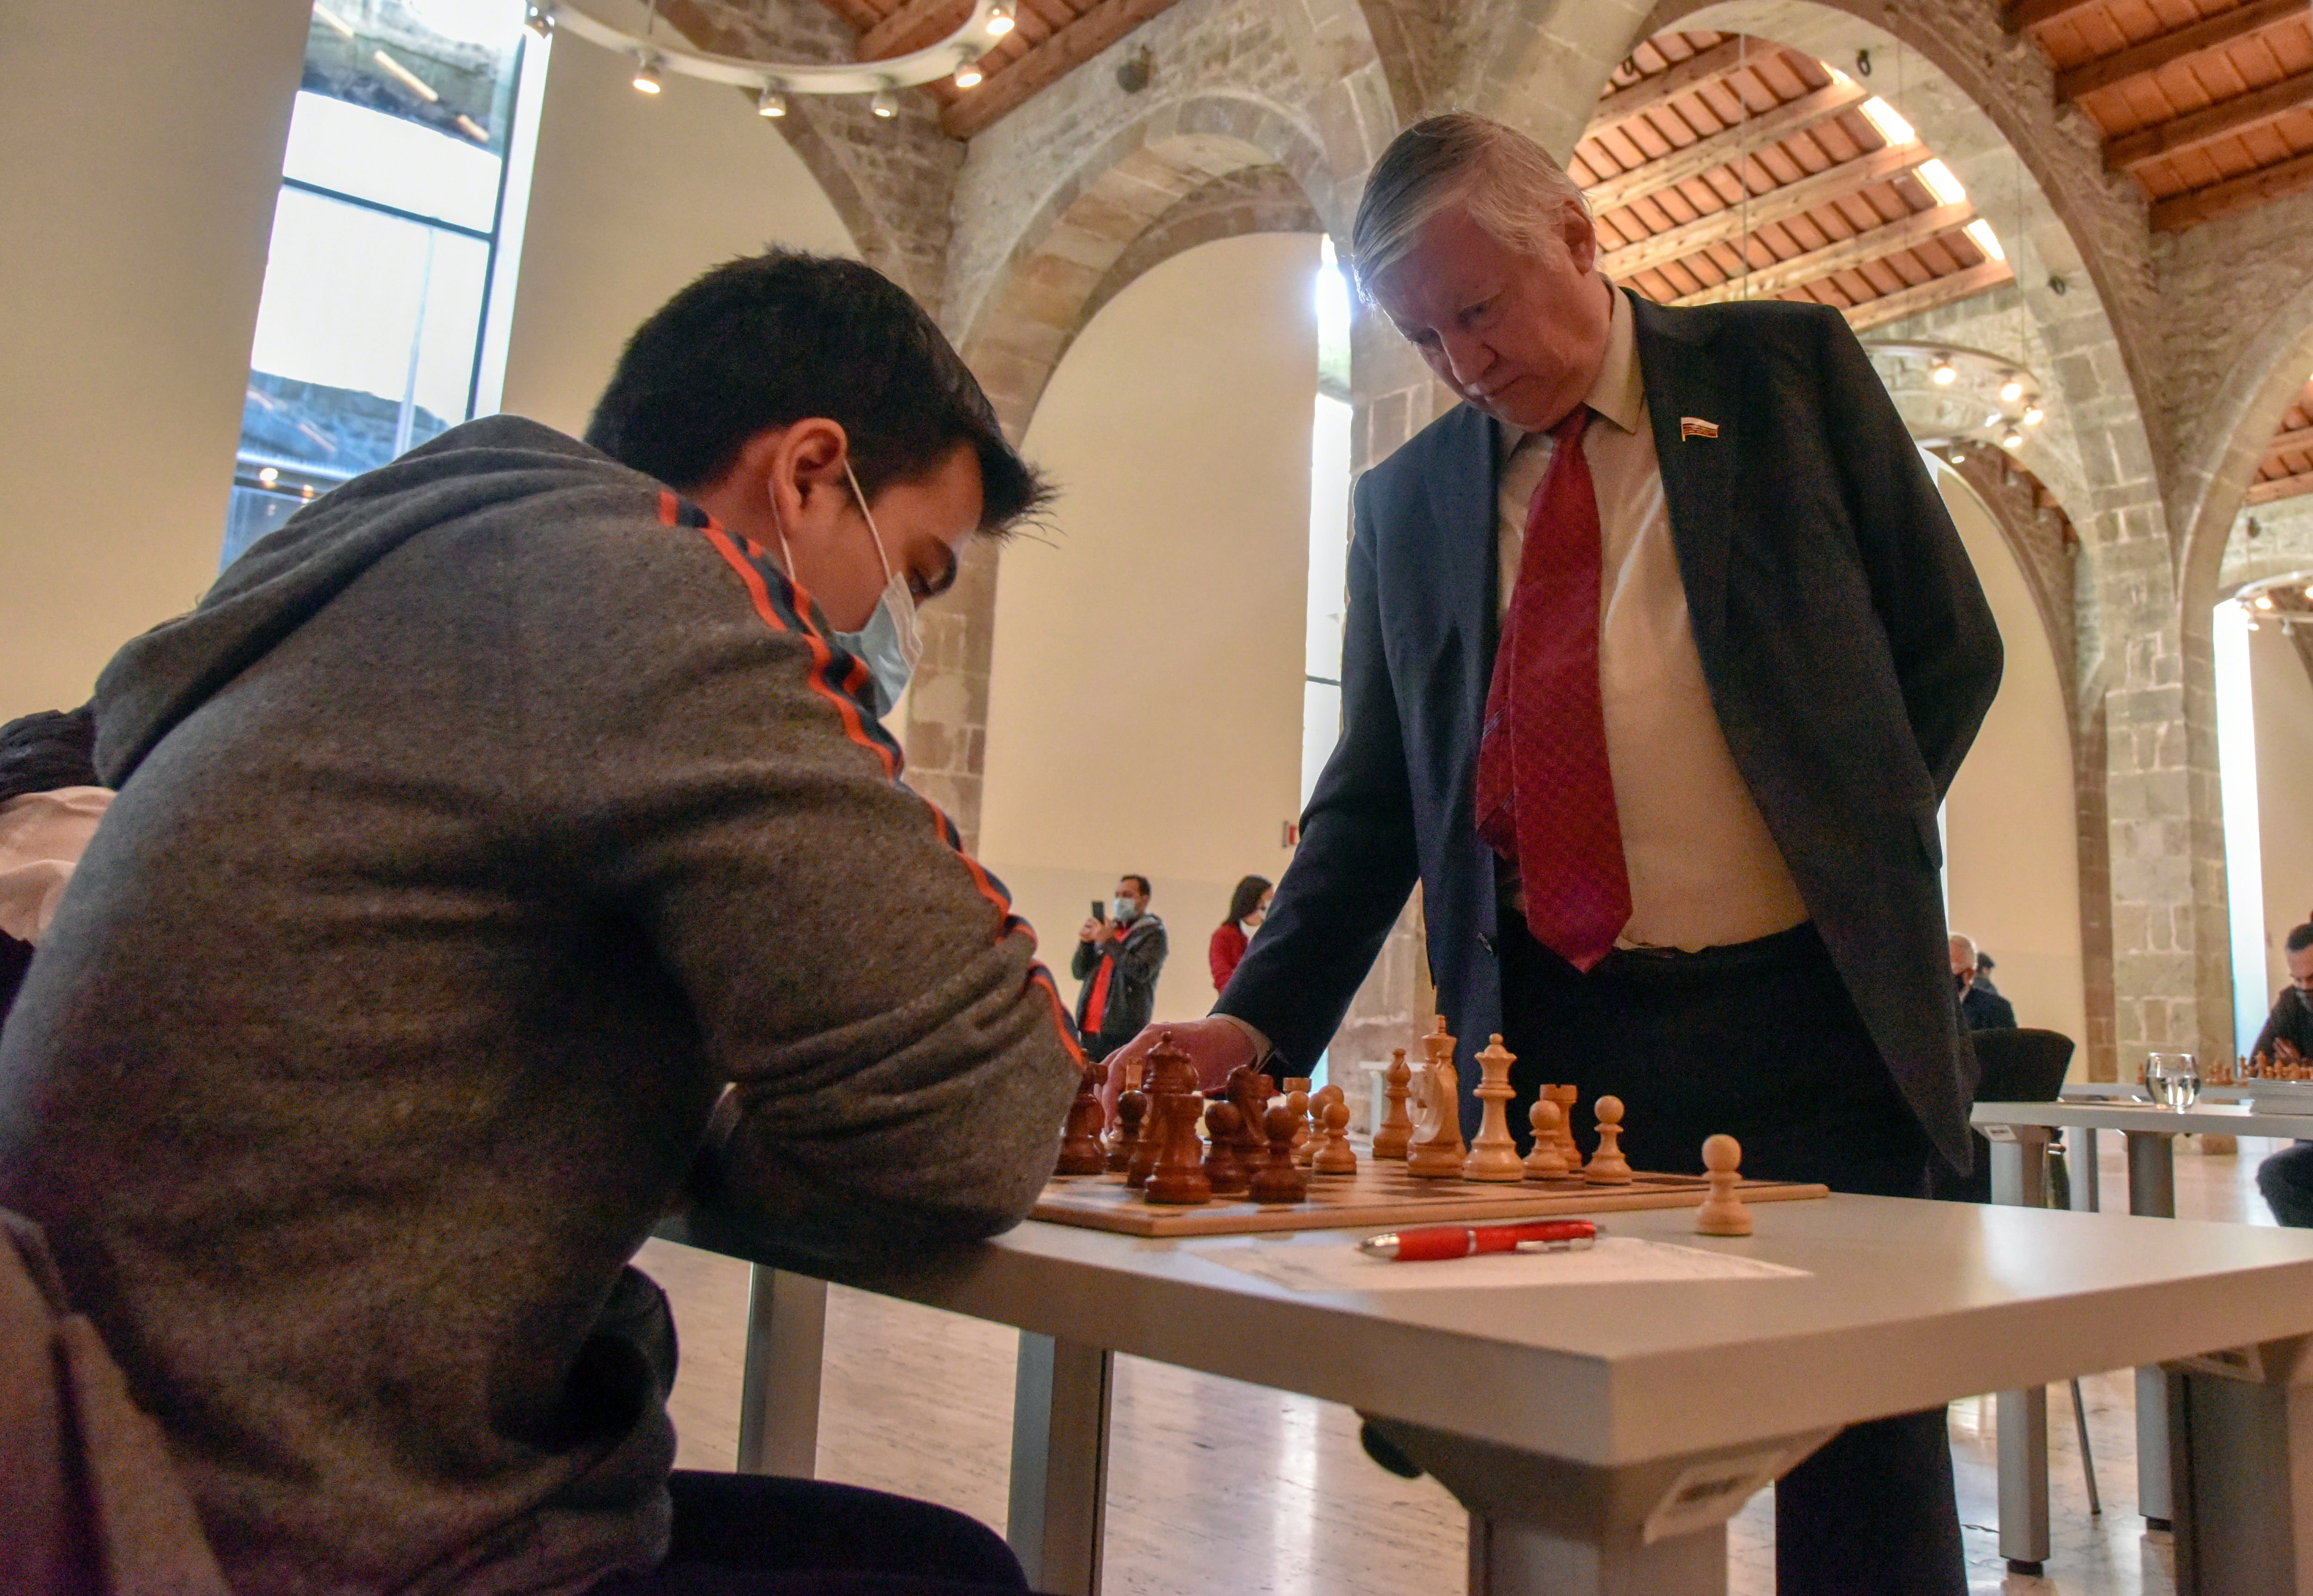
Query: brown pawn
{"points": [[1723, 1214], [1304, 1152], [1335, 1156], [1545, 1162], [1131, 1111], [1080, 1149], [1607, 1166], [1179, 1175], [1298, 1101], [1396, 1128], [1279, 1180], [1223, 1167]]}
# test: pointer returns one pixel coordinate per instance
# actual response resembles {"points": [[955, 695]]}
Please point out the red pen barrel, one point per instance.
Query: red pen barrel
{"points": [[1428, 1246]]}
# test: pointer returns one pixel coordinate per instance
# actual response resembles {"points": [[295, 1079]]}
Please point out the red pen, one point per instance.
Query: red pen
{"points": [[1460, 1240]]}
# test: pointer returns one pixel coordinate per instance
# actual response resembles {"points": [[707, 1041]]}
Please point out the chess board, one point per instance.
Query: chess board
{"points": [[1381, 1193]]}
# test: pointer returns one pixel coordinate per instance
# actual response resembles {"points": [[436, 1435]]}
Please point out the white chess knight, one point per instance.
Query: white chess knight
{"points": [[1428, 1107]]}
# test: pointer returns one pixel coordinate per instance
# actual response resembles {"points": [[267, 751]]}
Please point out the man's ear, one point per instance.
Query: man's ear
{"points": [[803, 460], [1581, 236]]}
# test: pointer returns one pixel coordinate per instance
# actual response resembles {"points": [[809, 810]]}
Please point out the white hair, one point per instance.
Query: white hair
{"points": [[1509, 184]]}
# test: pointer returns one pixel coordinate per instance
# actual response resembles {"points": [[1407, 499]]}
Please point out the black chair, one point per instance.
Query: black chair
{"points": [[2018, 1066]]}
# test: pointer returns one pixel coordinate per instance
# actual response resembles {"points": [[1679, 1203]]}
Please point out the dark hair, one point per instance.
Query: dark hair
{"points": [[2300, 939], [770, 340], [1246, 897], [1141, 881]]}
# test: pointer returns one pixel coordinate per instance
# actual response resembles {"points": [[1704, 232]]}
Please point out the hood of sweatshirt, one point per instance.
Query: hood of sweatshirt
{"points": [[293, 572]]}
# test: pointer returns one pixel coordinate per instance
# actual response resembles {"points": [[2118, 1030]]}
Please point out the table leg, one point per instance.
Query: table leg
{"points": [[778, 1402], [1548, 1527], [1059, 1463], [2019, 1179], [1508, 1558], [2087, 1180], [2153, 1190], [2242, 1426]]}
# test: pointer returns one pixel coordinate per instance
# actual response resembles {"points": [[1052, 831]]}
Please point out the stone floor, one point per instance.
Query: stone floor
{"points": [[1219, 1488]]}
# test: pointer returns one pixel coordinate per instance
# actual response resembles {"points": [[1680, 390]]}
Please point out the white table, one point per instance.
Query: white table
{"points": [[2020, 1133], [1602, 1437]]}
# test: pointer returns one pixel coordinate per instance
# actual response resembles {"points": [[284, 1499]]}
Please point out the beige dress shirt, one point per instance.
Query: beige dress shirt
{"points": [[1703, 871]]}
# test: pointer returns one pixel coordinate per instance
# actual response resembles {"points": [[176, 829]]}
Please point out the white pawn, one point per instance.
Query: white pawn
{"points": [[1722, 1213]]}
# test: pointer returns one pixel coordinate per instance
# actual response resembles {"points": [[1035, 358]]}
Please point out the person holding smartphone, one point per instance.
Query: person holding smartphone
{"points": [[1120, 953]]}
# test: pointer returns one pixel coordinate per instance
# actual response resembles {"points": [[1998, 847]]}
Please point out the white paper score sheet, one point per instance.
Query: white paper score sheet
{"points": [[1312, 1263]]}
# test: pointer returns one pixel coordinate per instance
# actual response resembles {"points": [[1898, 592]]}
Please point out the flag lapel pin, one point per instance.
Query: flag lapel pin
{"points": [[1695, 426]]}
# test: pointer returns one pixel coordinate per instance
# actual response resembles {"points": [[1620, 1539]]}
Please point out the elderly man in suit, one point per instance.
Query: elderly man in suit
{"points": [[1661, 653]]}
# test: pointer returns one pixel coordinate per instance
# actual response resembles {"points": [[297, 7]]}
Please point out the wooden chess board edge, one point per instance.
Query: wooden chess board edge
{"points": [[1132, 1217]]}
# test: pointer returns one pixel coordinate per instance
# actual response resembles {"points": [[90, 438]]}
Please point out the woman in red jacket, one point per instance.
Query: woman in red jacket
{"points": [[1248, 905]]}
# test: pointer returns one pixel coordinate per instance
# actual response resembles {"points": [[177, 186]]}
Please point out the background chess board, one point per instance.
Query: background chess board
{"points": [[1381, 1193]]}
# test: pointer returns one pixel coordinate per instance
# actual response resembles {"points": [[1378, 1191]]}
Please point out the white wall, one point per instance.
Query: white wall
{"points": [[1145, 707], [2283, 697], [2011, 828], [143, 150], [634, 197]]}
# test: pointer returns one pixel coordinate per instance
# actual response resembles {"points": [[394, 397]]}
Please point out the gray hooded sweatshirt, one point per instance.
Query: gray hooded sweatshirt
{"points": [[476, 828]]}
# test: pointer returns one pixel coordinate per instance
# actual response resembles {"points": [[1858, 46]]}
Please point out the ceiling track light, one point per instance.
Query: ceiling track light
{"points": [[770, 102], [539, 18], [968, 75], [2012, 438], [2012, 390], [1944, 373], [1001, 19], [885, 104], [648, 78], [2034, 415]]}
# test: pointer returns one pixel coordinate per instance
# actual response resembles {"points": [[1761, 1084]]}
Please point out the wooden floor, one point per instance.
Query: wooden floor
{"points": [[1223, 1489]]}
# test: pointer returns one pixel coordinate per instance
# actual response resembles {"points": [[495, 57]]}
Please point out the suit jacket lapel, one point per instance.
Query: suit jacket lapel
{"points": [[1460, 479], [1699, 474]]}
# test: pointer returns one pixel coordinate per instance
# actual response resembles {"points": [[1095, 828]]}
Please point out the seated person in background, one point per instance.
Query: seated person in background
{"points": [[1981, 1008], [2286, 1179], [1119, 959], [49, 805], [1248, 905], [478, 828]]}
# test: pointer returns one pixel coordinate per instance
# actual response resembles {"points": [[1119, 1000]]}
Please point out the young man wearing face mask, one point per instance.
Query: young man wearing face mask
{"points": [[1117, 959], [476, 831]]}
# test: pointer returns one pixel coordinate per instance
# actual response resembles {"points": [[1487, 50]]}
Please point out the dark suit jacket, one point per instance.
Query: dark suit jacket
{"points": [[1981, 1010], [1848, 648]]}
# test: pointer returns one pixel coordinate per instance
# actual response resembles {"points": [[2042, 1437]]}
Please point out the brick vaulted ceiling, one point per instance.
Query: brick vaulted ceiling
{"points": [[1053, 37], [1726, 167]]}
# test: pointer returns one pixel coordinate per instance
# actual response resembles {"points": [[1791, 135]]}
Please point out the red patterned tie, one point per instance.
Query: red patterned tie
{"points": [[1546, 793]]}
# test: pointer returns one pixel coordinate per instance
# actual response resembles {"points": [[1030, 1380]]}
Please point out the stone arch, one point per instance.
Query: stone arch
{"points": [[1034, 304], [2246, 409]]}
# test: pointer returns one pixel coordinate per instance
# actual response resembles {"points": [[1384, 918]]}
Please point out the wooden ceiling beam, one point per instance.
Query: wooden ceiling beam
{"points": [[1846, 254], [2039, 13], [1007, 88], [914, 25], [1697, 71], [1828, 187], [2131, 152], [2285, 443], [1751, 134], [1930, 296], [2210, 33], [2281, 487], [2245, 192]]}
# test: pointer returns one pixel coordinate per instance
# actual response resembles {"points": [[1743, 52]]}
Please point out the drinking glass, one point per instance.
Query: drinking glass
{"points": [[2175, 1079]]}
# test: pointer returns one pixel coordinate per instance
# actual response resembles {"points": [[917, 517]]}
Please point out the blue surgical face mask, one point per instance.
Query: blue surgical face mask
{"points": [[890, 643], [1124, 910]]}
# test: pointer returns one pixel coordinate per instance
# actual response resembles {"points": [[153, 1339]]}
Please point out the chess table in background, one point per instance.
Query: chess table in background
{"points": [[1381, 1193]]}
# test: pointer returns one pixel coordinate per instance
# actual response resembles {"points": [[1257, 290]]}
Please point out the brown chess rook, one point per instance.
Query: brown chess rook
{"points": [[1545, 1162], [1081, 1153], [1335, 1156], [1565, 1096], [1493, 1156], [1224, 1167], [1607, 1166], [1396, 1130], [1279, 1179], [1723, 1213]]}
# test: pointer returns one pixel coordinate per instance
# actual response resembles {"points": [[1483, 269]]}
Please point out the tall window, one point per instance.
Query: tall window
{"points": [[1329, 525], [390, 270]]}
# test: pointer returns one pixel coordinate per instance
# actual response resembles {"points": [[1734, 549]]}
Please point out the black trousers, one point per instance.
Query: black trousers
{"points": [[1762, 1042], [755, 1535]]}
